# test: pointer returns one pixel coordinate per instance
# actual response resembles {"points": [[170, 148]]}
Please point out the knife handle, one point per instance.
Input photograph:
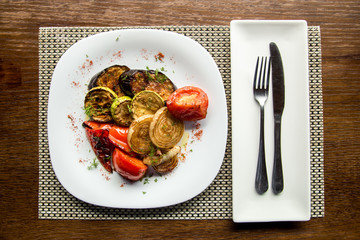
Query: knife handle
{"points": [[277, 177], [261, 180]]}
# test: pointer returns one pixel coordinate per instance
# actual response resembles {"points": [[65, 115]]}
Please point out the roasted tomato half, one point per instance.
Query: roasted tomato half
{"points": [[100, 143], [127, 166], [188, 103]]}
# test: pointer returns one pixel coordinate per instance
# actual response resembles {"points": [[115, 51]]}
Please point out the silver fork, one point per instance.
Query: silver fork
{"points": [[261, 89]]}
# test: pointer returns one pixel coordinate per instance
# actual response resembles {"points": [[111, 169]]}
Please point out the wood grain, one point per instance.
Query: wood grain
{"points": [[19, 22]]}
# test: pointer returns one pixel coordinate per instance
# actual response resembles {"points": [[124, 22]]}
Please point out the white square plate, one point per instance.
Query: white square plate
{"points": [[186, 63], [250, 39]]}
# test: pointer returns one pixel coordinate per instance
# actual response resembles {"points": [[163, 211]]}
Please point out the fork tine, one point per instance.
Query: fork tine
{"points": [[262, 73], [268, 74], [263, 79], [260, 81], [256, 72]]}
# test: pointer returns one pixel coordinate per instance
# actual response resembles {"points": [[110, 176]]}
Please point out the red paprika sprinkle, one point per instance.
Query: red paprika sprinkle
{"points": [[159, 57]]}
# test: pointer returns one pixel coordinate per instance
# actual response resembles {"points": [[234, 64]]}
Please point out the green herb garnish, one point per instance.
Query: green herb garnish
{"points": [[89, 110], [130, 111], [94, 164]]}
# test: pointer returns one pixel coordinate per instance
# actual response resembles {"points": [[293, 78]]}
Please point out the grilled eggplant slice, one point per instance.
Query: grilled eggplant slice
{"points": [[146, 102], [121, 111], [165, 130], [109, 77], [98, 102], [135, 81], [160, 83]]}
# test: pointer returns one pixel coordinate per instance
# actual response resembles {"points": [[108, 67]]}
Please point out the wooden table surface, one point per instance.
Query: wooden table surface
{"points": [[19, 26]]}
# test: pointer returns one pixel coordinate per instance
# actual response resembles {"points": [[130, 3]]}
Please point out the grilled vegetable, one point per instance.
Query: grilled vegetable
{"points": [[135, 81], [100, 143], [98, 103], [165, 130], [109, 77], [188, 103], [159, 83], [132, 82], [167, 166], [117, 134], [120, 111], [138, 135], [146, 102], [127, 166], [155, 160]]}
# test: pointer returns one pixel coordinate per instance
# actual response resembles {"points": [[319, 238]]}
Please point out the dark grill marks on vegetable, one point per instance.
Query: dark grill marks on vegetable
{"points": [[109, 77], [99, 140], [135, 81]]}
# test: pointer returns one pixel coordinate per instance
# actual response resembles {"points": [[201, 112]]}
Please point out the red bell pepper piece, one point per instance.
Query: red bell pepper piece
{"points": [[97, 125], [127, 166], [117, 134], [100, 143]]}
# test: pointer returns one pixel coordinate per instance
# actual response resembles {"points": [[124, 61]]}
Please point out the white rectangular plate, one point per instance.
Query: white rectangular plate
{"points": [[250, 39]]}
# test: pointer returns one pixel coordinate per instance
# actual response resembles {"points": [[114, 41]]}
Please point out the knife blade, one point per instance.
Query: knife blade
{"points": [[278, 89]]}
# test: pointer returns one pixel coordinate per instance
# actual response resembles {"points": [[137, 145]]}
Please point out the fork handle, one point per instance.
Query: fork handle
{"points": [[277, 178], [261, 180]]}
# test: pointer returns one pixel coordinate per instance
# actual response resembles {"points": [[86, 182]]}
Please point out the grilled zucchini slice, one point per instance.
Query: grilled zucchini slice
{"points": [[121, 111], [98, 103], [146, 102], [109, 77]]}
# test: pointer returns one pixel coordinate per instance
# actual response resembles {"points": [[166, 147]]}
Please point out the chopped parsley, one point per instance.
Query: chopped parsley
{"points": [[161, 78], [128, 106], [94, 164], [146, 181]]}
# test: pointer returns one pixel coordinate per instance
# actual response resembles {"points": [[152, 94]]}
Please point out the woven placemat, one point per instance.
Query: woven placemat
{"points": [[216, 201]]}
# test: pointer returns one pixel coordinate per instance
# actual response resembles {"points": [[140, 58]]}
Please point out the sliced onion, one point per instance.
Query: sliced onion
{"points": [[167, 166], [157, 160], [138, 135], [166, 130]]}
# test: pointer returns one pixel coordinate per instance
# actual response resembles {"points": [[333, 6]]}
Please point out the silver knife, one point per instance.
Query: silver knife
{"points": [[278, 89]]}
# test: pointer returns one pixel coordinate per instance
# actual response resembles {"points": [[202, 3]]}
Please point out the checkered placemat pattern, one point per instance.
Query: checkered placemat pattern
{"points": [[215, 202]]}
